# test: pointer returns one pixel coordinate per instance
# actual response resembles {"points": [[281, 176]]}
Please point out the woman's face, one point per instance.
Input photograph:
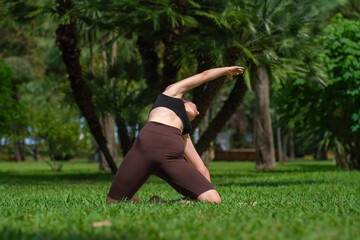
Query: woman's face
{"points": [[191, 110]]}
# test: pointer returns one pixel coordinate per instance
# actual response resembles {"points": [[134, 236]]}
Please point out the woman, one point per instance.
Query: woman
{"points": [[163, 143]]}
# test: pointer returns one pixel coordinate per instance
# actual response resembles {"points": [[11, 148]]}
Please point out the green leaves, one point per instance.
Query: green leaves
{"points": [[343, 51], [20, 68], [329, 107], [8, 105], [356, 118]]}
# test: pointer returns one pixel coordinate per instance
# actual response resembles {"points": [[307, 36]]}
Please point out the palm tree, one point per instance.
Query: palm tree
{"points": [[276, 35], [67, 39]]}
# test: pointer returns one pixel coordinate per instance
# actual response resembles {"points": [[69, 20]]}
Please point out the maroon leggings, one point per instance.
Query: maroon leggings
{"points": [[158, 150]]}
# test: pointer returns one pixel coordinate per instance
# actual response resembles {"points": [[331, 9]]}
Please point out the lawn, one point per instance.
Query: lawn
{"points": [[301, 200]]}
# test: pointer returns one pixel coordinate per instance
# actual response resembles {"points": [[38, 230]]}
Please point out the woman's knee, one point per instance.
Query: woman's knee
{"points": [[211, 196]]}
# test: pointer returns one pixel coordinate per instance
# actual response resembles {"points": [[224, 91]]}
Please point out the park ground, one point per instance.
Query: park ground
{"points": [[302, 199]]}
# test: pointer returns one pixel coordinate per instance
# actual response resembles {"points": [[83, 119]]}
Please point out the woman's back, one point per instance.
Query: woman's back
{"points": [[165, 116]]}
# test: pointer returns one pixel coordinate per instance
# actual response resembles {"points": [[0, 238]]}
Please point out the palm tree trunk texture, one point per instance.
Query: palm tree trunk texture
{"points": [[279, 143], [170, 38], [264, 142], [355, 151], [17, 151], [67, 40], [235, 98], [292, 144], [206, 155], [204, 100], [19, 145], [150, 62], [124, 138], [285, 142], [170, 69], [22, 149], [205, 93], [108, 126], [107, 121], [340, 158]]}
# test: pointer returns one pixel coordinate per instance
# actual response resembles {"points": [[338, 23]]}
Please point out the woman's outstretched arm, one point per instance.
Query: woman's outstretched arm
{"points": [[193, 157], [179, 88]]}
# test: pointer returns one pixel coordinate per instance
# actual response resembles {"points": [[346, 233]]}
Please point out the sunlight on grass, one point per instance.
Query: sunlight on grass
{"points": [[301, 200]]}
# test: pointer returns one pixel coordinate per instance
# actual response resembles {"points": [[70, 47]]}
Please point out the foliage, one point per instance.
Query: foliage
{"points": [[118, 90], [21, 70], [342, 62], [301, 200], [329, 108], [350, 10], [7, 103], [58, 125], [16, 39], [21, 73], [274, 34]]}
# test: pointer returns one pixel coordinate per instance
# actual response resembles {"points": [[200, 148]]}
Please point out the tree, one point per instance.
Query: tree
{"points": [[341, 60], [21, 73], [169, 40], [67, 39], [8, 106], [328, 110], [273, 32], [174, 39], [16, 38], [57, 125]]}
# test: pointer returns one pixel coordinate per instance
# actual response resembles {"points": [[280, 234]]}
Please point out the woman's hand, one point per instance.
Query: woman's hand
{"points": [[233, 71]]}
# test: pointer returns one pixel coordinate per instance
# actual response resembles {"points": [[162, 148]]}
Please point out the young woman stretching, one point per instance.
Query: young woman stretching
{"points": [[163, 143]]}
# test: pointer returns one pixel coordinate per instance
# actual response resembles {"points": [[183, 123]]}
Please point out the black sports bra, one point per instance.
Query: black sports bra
{"points": [[177, 106]]}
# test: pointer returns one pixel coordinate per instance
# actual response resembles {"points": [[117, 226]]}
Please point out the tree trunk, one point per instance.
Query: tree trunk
{"points": [[123, 135], [170, 69], [67, 40], [22, 150], [264, 143], [292, 144], [279, 147], [150, 61], [205, 93], [19, 145], [17, 151], [108, 126], [320, 154], [341, 158], [198, 92], [285, 147], [107, 121], [225, 113], [204, 100], [206, 155], [170, 39], [51, 151], [355, 151]]}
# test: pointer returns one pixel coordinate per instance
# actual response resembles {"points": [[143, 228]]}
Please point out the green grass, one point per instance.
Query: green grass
{"points": [[301, 200]]}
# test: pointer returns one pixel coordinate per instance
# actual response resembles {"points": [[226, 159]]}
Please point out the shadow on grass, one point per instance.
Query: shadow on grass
{"points": [[271, 183], [53, 178], [291, 167], [11, 234], [312, 167], [43, 177]]}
